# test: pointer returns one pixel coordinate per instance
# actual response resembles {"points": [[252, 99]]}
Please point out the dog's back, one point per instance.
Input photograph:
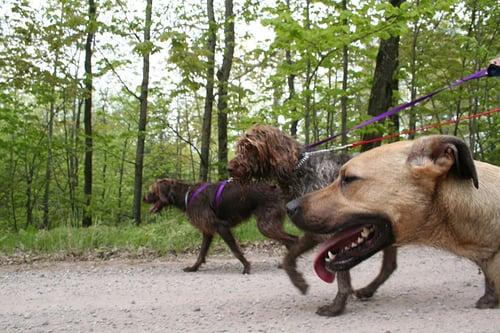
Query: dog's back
{"points": [[240, 201]]}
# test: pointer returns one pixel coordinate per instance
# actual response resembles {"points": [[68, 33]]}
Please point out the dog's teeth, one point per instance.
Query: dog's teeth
{"points": [[330, 257], [354, 244], [365, 232], [346, 248], [360, 240]]}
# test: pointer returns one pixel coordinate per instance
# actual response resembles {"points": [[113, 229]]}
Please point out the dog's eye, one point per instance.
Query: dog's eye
{"points": [[346, 180]]}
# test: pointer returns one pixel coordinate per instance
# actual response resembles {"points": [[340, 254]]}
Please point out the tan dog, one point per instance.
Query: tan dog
{"points": [[428, 192]]}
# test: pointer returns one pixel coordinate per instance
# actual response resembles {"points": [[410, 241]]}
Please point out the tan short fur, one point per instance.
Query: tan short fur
{"points": [[428, 191]]}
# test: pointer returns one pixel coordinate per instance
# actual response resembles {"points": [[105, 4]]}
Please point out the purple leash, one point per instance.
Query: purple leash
{"points": [[491, 71]]}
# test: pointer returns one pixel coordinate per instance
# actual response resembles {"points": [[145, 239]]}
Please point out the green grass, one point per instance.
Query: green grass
{"points": [[168, 232]]}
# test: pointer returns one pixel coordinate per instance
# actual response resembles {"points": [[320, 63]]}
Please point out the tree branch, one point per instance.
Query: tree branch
{"points": [[118, 75], [183, 139]]}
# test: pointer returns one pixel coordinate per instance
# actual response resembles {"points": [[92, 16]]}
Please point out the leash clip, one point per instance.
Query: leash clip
{"points": [[305, 156]]}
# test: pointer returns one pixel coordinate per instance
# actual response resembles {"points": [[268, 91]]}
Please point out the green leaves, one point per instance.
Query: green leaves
{"points": [[41, 47]]}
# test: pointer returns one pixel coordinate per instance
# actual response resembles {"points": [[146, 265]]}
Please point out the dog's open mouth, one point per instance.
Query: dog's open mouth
{"points": [[350, 246]]}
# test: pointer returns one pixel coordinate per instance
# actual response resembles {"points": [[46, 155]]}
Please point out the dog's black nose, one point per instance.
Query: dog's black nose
{"points": [[293, 207]]}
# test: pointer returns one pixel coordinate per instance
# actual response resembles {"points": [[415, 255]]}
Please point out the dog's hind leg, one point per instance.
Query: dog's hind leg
{"points": [[340, 301], [205, 245], [225, 232], [304, 244], [492, 284], [272, 227], [389, 265]]}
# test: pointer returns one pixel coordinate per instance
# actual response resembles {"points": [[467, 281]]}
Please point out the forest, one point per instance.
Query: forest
{"points": [[99, 98]]}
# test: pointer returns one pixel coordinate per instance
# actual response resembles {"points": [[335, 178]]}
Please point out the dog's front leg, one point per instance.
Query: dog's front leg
{"points": [[389, 265], [205, 245], [491, 273], [304, 244], [225, 232], [340, 301]]}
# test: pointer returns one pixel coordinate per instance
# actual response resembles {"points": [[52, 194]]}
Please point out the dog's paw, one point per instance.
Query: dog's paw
{"points": [[487, 302], [246, 270], [191, 269], [297, 280], [336, 308], [301, 285], [364, 293], [330, 310]]}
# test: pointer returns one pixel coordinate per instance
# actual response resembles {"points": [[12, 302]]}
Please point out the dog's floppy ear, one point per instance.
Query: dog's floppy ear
{"points": [[438, 155], [163, 191]]}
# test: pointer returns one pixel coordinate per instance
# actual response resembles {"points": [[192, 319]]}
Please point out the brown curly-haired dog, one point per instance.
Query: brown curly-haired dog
{"points": [[265, 152], [237, 204]]}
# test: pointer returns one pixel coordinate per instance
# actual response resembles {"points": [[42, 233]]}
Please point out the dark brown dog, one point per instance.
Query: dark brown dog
{"points": [[237, 204], [268, 153], [429, 192]]}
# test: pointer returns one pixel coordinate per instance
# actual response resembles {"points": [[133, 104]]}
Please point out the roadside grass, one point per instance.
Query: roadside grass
{"points": [[169, 232]]}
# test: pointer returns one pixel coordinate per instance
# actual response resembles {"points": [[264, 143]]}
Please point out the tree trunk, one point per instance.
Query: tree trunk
{"points": [[187, 118], [209, 97], [70, 131], [474, 103], [291, 86], [413, 75], [178, 148], [332, 104], [383, 81], [12, 192], [75, 161], [314, 114], [345, 68], [307, 91], [87, 116], [29, 171], [29, 175], [48, 167], [139, 156], [121, 172], [223, 77]]}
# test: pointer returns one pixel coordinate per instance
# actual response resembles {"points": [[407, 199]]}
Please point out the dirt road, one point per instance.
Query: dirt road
{"points": [[430, 292]]}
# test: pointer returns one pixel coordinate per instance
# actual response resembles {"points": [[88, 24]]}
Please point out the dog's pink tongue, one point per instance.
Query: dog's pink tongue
{"points": [[338, 241], [322, 272], [155, 207]]}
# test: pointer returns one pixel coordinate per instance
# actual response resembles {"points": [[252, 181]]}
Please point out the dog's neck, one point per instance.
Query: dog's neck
{"points": [[180, 196]]}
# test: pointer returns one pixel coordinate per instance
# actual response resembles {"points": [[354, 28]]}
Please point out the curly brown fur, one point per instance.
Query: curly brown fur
{"points": [[238, 203], [265, 152]]}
